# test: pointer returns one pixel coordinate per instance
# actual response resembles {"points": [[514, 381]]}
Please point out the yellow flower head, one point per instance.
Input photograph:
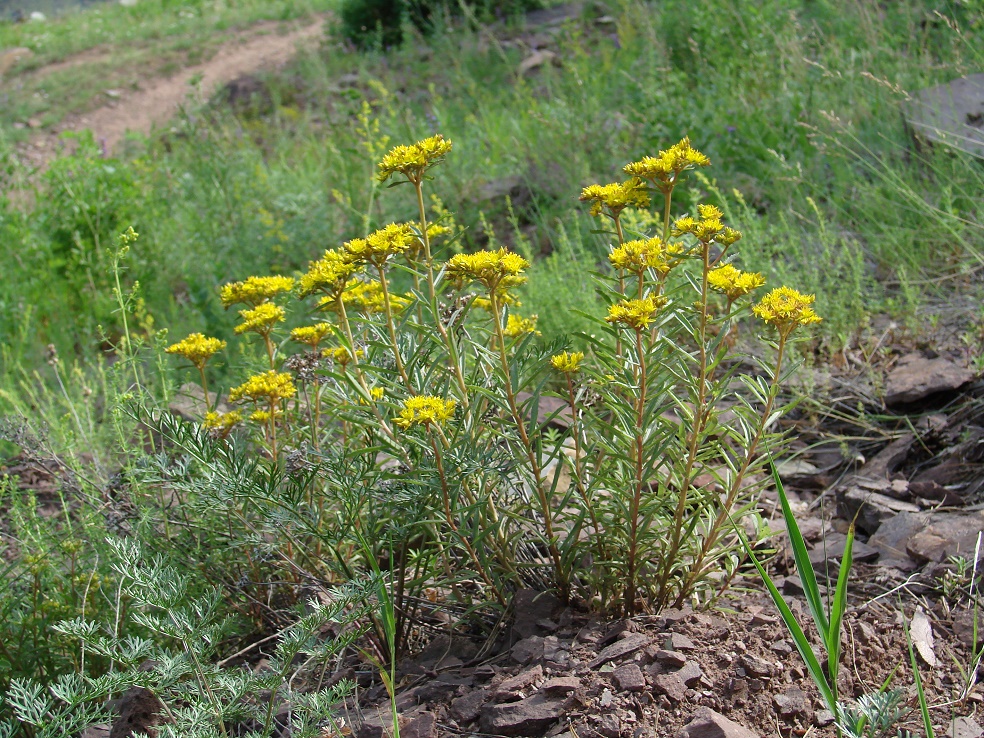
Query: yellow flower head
{"points": [[260, 319], [396, 238], [366, 297], [568, 363], [613, 198], [255, 290], [222, 421], [497, 270], [664, 169], [270, 386], [341, 355], [638, 256], [413, 160], [517, 326], [196, 348], [260, 416], [311, 334], [328, 275], [785, 308], [502, 297], [708, 227], [424, 410], [733, 282], [637, 314]]}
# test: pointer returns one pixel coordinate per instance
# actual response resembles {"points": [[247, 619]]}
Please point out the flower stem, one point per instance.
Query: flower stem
{"points": [[639, 443]]}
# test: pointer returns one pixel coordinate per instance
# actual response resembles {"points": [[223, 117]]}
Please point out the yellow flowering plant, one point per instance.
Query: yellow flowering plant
{"points": [[424, 414]]}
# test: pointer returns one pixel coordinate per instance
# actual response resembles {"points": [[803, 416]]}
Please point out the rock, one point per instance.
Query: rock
{"points": [[556, 651], [137, 711], [791, 470], [830, 551], [870, 509], [631, 643], [709, 724], [689, 673], [513, 688], [893, 536], [792, 702], [530, 606], [950, 114], [915, 377], [608, 725], [677, 642], [671, 685], [535, 60], [793, 586], [12, 57], [530, 717], [921, 632], [823, 718], [606, 698], [756, 667], [888, 459], [783, 648], [946, 534], [422, 725], [559, 686], [671, 658], [527, 650], [965, 727], [96, 731], [629, 678], [467, 708]]}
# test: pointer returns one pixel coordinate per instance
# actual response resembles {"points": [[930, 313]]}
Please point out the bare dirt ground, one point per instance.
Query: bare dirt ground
{"points": [[158, 99]]}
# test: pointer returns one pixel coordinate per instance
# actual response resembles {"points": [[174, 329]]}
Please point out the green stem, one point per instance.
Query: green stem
{"points": [[391, 327], [631, 589]]}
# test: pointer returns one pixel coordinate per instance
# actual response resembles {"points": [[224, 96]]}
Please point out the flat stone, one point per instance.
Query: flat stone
{"points": [[467, 708], [831, 550], [137, 711], [671, 685], [558, 686], [630, 644], [709, 724], [965, 727], [915, 377], [516, 687], [422, 725], [950, 114], [629, 678], [530, 717], [529, 607], [893, 535], [678, 642], [792, 702], [555, 651], [871, 509], [527, 650], [671, 658], [946, 534], [689, 673], [757, 667]]}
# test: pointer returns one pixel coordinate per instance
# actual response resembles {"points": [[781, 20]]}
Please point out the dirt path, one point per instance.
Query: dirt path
{"points": [[159, 99]]}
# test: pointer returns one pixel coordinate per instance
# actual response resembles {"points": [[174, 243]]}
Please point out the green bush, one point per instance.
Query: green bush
{"points": [[371, 22]]}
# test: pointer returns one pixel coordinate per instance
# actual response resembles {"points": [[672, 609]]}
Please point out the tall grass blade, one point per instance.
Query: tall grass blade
{"points": [[838, 606]]}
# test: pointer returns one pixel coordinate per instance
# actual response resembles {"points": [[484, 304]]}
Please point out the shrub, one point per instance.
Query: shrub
{"points": [[371, 22], [410, 423]]}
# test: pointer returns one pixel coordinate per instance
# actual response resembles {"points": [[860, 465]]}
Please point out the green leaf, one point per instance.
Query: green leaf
{"points": [[837, 609]]}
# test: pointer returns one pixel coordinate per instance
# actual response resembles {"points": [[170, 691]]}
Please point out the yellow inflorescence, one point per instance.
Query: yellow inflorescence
{"points": [[222, 421], [664, 168], [328, 275], [637, 256], [615, 197], [311, 334], [568, 363], [255, 290], [396, 238], [260, 416], [260, 319], [785, 308], [497, 270], [413, 160], [502, 298], [708, 227], [341, 355], [197, 348], [733, 282], [517, 326], [270, 386], [637, 314], [424, 410]]}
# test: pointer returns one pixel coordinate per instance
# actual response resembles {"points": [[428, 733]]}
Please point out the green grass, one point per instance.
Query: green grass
{"points": [[109, 46]]}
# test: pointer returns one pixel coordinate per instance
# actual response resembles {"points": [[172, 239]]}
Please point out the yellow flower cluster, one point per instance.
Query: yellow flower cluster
{"points": [[413, 160], [260, 416], [255, 290], [222, 421], [664, 168], [568, 363], [502, 298], [270, 386], [424, 410], [785, 308], [260, 319], [733, 282], [197, 348], [708, 227], [637, 256], [341, 355], [613, 198], [497, 270], [517, 326], [311, 334], [328, 275], [637, 314], [366, 297], [396, 238]]}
